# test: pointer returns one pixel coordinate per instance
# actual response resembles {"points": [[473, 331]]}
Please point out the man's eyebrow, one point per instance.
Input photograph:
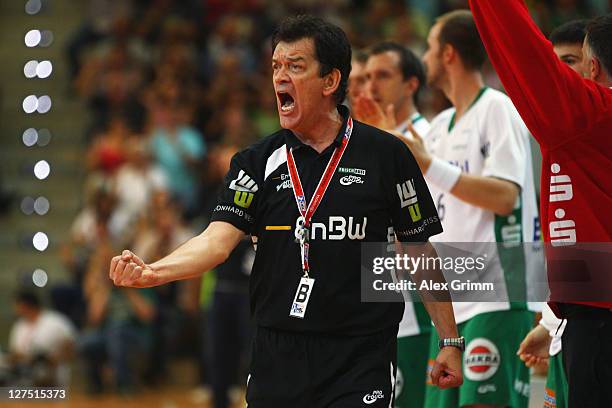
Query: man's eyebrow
{"points": [[292, 59]]}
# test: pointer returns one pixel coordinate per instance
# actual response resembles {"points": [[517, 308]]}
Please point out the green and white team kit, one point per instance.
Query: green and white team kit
{"points": [[489, 140]]}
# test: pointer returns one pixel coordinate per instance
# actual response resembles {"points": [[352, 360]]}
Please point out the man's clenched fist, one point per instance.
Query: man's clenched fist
{"points": [[446, 371], [130, 271]]}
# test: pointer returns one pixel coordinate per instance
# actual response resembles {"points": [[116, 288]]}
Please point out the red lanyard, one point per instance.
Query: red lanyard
{"points": [[307, 211]]}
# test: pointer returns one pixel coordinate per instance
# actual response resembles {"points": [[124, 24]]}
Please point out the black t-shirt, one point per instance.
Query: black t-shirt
{"points": [[233, 274], [378, 188]]}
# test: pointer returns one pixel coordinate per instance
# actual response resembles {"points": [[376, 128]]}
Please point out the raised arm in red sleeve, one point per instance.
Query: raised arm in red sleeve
{"points": [[555, 102]]}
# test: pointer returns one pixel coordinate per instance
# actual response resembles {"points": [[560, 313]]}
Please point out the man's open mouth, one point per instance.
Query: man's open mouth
{"points": [[286, 101]]}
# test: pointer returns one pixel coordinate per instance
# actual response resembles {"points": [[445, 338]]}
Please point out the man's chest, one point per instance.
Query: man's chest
{"points": [[351, 204], [463, 147]]}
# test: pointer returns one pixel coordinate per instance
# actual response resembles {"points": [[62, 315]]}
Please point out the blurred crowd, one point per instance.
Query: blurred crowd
{"points": [[174, 89]]}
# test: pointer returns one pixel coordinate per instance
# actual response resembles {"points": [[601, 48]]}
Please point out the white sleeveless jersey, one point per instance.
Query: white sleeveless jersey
{"points": [[490, 140]]}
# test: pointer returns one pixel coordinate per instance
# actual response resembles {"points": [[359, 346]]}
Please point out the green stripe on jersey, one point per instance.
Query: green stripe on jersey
{"points": [[451, 125], [419, 117], [509, 237]]}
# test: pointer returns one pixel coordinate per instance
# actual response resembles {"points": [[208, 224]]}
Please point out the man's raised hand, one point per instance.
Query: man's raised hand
{"points": [[368, 111]]}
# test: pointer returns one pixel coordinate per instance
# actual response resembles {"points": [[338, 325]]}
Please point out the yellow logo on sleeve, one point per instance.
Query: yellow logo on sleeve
{"points": [[245, 189], [408, 198], [243, 199]]}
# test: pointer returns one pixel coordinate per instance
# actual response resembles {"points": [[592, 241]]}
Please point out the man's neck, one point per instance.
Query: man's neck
{"points": [[462, 89], [323, 130], [405, 112], [607, 82]]}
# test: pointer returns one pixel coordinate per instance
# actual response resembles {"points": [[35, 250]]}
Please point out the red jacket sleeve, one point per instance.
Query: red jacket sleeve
{"points": [[556, 103]]}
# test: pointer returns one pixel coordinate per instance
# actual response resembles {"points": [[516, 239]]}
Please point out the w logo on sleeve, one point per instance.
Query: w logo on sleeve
{"points": [[245, 188], [408, 198]]}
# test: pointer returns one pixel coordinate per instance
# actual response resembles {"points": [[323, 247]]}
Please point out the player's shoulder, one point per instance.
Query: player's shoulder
{"points": [[493, 97], [497, 103], [442, 118], [422, 126], [253, 158]]}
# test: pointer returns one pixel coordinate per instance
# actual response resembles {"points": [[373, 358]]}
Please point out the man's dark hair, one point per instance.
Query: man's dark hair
{"points": [[332, 48], [360, 56], [409, 64], [28, 298], [572, 32], [599, 33], [459, 30]]}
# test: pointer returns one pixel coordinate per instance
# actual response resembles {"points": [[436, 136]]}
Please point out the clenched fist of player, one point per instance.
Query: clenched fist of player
{"points": [[446, 371], [129, 270]]}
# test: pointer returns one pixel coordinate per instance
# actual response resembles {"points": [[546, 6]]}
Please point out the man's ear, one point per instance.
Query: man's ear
{"points": [[331, 82], [594, 69], [411, 85], [448, 53]]}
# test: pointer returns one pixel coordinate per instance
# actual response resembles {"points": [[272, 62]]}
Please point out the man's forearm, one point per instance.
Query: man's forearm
{"points": [[443, 318], [438, 304], [492, 194], [199, 254]]}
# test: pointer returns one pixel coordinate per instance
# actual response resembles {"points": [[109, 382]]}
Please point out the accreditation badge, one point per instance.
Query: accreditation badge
{"points": [[302, 296]]}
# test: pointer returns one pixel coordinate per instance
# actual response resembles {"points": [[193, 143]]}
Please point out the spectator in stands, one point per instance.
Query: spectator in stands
{"points": [[40, 344], [108, 151], [135, 184], [178, 149], [119, 329], [176, 303]]}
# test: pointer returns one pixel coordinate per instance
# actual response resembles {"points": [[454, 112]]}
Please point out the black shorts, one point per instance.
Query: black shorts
{"points": [[587, 355], [316, 371]]}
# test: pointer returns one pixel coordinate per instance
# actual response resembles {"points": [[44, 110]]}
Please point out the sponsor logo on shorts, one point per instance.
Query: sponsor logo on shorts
{"points": [[373, 397], [430, 364], [348, 180], [550, 398], [481, 360], [522, 387]]}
